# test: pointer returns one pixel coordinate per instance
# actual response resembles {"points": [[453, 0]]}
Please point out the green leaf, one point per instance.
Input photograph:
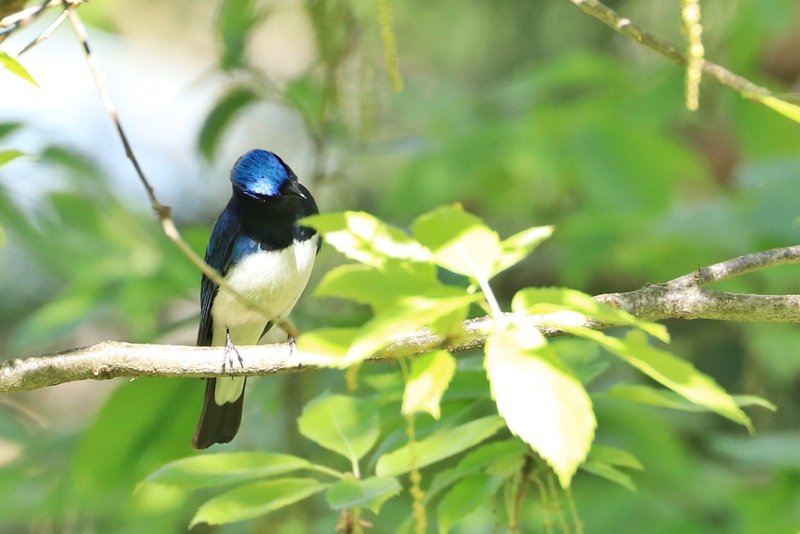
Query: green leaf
{"points": [[376, 287], [459, 241], [225, 468], [16, 67], [469, 494], [670, 399], [254, 500], [781, 106], [669, 370], [609, 472], [614, 456], [404, 317], [490, 457], [547, 300], [438, 446], [326, 346], [520, 245], [366, 239], [345, 425], [9, 155], [430, 375], [220, 116], [237, 18], [541, 401], [371, 493]]}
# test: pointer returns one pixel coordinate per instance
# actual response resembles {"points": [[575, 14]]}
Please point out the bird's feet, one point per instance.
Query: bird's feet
{"points": [[230, 350]]}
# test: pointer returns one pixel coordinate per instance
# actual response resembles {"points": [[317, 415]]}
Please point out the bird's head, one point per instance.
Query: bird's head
{"points": [[261, 174]]}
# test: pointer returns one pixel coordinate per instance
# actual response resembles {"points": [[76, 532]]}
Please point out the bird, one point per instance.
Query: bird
{"points": [[263, 255]]}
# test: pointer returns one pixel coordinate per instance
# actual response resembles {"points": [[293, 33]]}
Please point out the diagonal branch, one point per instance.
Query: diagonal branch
{"points": [[629, 29], [681, 298]]}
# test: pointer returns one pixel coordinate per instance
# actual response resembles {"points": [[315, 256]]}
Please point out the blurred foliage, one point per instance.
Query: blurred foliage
{"points": [[528, 113]]}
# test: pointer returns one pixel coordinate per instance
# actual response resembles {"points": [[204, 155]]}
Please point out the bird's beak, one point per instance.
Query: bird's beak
{"points": [[291, 189]]}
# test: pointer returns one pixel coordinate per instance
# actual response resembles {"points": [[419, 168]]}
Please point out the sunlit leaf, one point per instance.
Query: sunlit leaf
{"points": [[405, 316], [254, 500], [225, 468], [544, 300], [439, 446], [366, 239], [16, 67], [430, 375], [520, 245], [669, 370], [466, 496], [220, 117], [459, 241], [541, 401], [376, 287], [369, 493], [670, 399], [326, 346], [346, 425]]}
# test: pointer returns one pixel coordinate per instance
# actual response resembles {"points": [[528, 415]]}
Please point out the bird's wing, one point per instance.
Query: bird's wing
{"points": [[218, 256]]}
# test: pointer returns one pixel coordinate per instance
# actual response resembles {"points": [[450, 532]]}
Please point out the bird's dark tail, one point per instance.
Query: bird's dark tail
{"points": [[218, 424]]}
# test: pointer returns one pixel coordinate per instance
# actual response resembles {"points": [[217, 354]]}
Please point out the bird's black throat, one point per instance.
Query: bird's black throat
{"points": [[270, 221]]}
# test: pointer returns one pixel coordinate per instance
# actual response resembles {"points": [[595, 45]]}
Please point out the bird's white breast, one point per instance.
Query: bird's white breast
{"points": [[273, 280]]}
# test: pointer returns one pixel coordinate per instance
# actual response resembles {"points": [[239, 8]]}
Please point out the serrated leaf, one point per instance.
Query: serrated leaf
{"points": [[370, 493], [220, 117], [670, 371], [548, 300], [254, 500], [225, 468], [459, 241], [404, 317], [440, 445], [430, 375], [540, 400], [376, 287], [345, 425], [520, 245], [781, 106], [614, 456], [16, 67], [467, 495], [670, 399], [9, 155], [366, 239], [609, 472]]}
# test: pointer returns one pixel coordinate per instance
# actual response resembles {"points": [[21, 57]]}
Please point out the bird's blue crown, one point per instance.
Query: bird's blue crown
{"points": [[260, 173]]}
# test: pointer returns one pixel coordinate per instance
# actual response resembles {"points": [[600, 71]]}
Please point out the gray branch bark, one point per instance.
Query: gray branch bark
{"points": [[681, 298]]}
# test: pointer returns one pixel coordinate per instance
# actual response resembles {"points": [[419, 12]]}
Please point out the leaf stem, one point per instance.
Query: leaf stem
{"points": [[328, 471]]}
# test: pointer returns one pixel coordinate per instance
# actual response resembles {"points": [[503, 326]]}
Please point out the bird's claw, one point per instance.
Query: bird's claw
{"points": [[230, 350]]}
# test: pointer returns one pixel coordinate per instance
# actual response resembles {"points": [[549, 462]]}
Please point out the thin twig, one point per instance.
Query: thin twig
{"points": [[14, 22], [163, 212], [629, 29]]}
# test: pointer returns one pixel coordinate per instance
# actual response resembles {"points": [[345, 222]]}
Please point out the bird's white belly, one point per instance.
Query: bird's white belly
{"points": [[272, 280]]}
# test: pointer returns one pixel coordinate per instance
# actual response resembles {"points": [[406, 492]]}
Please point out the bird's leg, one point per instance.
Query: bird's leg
{"points": [[230, 350]]}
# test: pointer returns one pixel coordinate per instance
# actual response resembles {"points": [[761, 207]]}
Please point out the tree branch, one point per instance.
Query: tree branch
{"points": [[681, 298], [629, 29]]}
